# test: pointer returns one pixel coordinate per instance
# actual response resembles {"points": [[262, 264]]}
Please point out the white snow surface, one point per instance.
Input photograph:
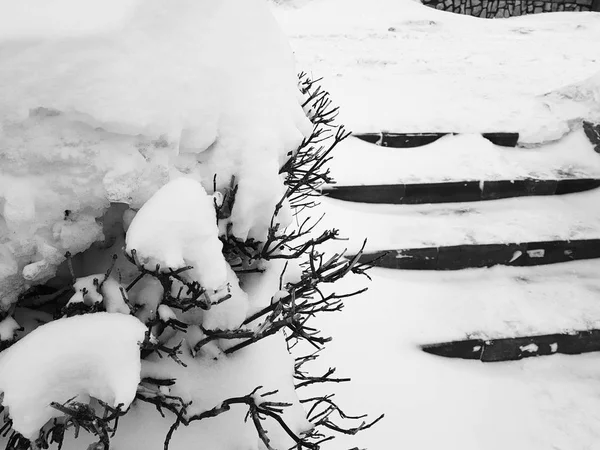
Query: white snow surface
{"points": [[432, 402], [105, 111], [8, 328], [108, 107], [463, 157], [96, 289], [176, 228], [95, 354], [401, 67], [396, 65]]}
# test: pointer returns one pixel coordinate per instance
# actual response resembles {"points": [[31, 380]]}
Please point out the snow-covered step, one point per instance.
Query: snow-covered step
{"points": [[458, 191], [459, 257], [513, 349], [409, 140], [516, 220], [463, 157]]}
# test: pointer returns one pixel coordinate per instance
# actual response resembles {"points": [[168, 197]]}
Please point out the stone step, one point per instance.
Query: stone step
{"points": [[458, 257], [458, 191], [410, 140], [512, 349]]}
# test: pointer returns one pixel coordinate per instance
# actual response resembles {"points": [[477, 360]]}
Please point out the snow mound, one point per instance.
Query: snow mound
{"points": [[111, 111], [176, 228], [93, 354]]}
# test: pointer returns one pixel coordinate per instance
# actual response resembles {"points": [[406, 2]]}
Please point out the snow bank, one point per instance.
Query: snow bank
{"points": [[95, 354], [114, 110]]}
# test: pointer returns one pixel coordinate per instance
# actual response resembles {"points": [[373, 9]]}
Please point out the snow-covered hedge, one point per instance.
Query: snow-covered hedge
{"points": [[159, 262]]}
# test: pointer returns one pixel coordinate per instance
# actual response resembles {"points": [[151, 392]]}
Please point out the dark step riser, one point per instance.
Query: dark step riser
{"points": [[512, 349], [457, 192], [411, 140], [487, 255], [592, 131]]}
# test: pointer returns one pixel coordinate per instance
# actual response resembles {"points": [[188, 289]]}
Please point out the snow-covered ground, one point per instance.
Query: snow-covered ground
{"points": [[401, 67]]}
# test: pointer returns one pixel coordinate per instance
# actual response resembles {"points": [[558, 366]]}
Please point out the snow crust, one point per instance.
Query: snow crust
{"points": [[95, 354]]}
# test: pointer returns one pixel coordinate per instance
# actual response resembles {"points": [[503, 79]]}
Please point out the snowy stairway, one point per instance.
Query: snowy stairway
{"points": [[540, 213], [501, 233], [410, 140]]}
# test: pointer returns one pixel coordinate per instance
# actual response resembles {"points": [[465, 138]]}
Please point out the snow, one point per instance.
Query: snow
{"points": [[266, 363], [147, 293], [8, 328], [542, 401], [98, 109], [177, 228], [96, 355], [165, 313], [531, 348], [513, 220], [399, 66], [100, 289], [107, 107]]}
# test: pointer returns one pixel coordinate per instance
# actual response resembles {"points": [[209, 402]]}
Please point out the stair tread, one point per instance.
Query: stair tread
{"points": [[463, 157], [495, 303], [514, 220]]}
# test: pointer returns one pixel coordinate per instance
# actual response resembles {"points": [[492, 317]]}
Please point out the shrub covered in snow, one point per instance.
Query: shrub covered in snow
{"points": [[159, 262]]}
